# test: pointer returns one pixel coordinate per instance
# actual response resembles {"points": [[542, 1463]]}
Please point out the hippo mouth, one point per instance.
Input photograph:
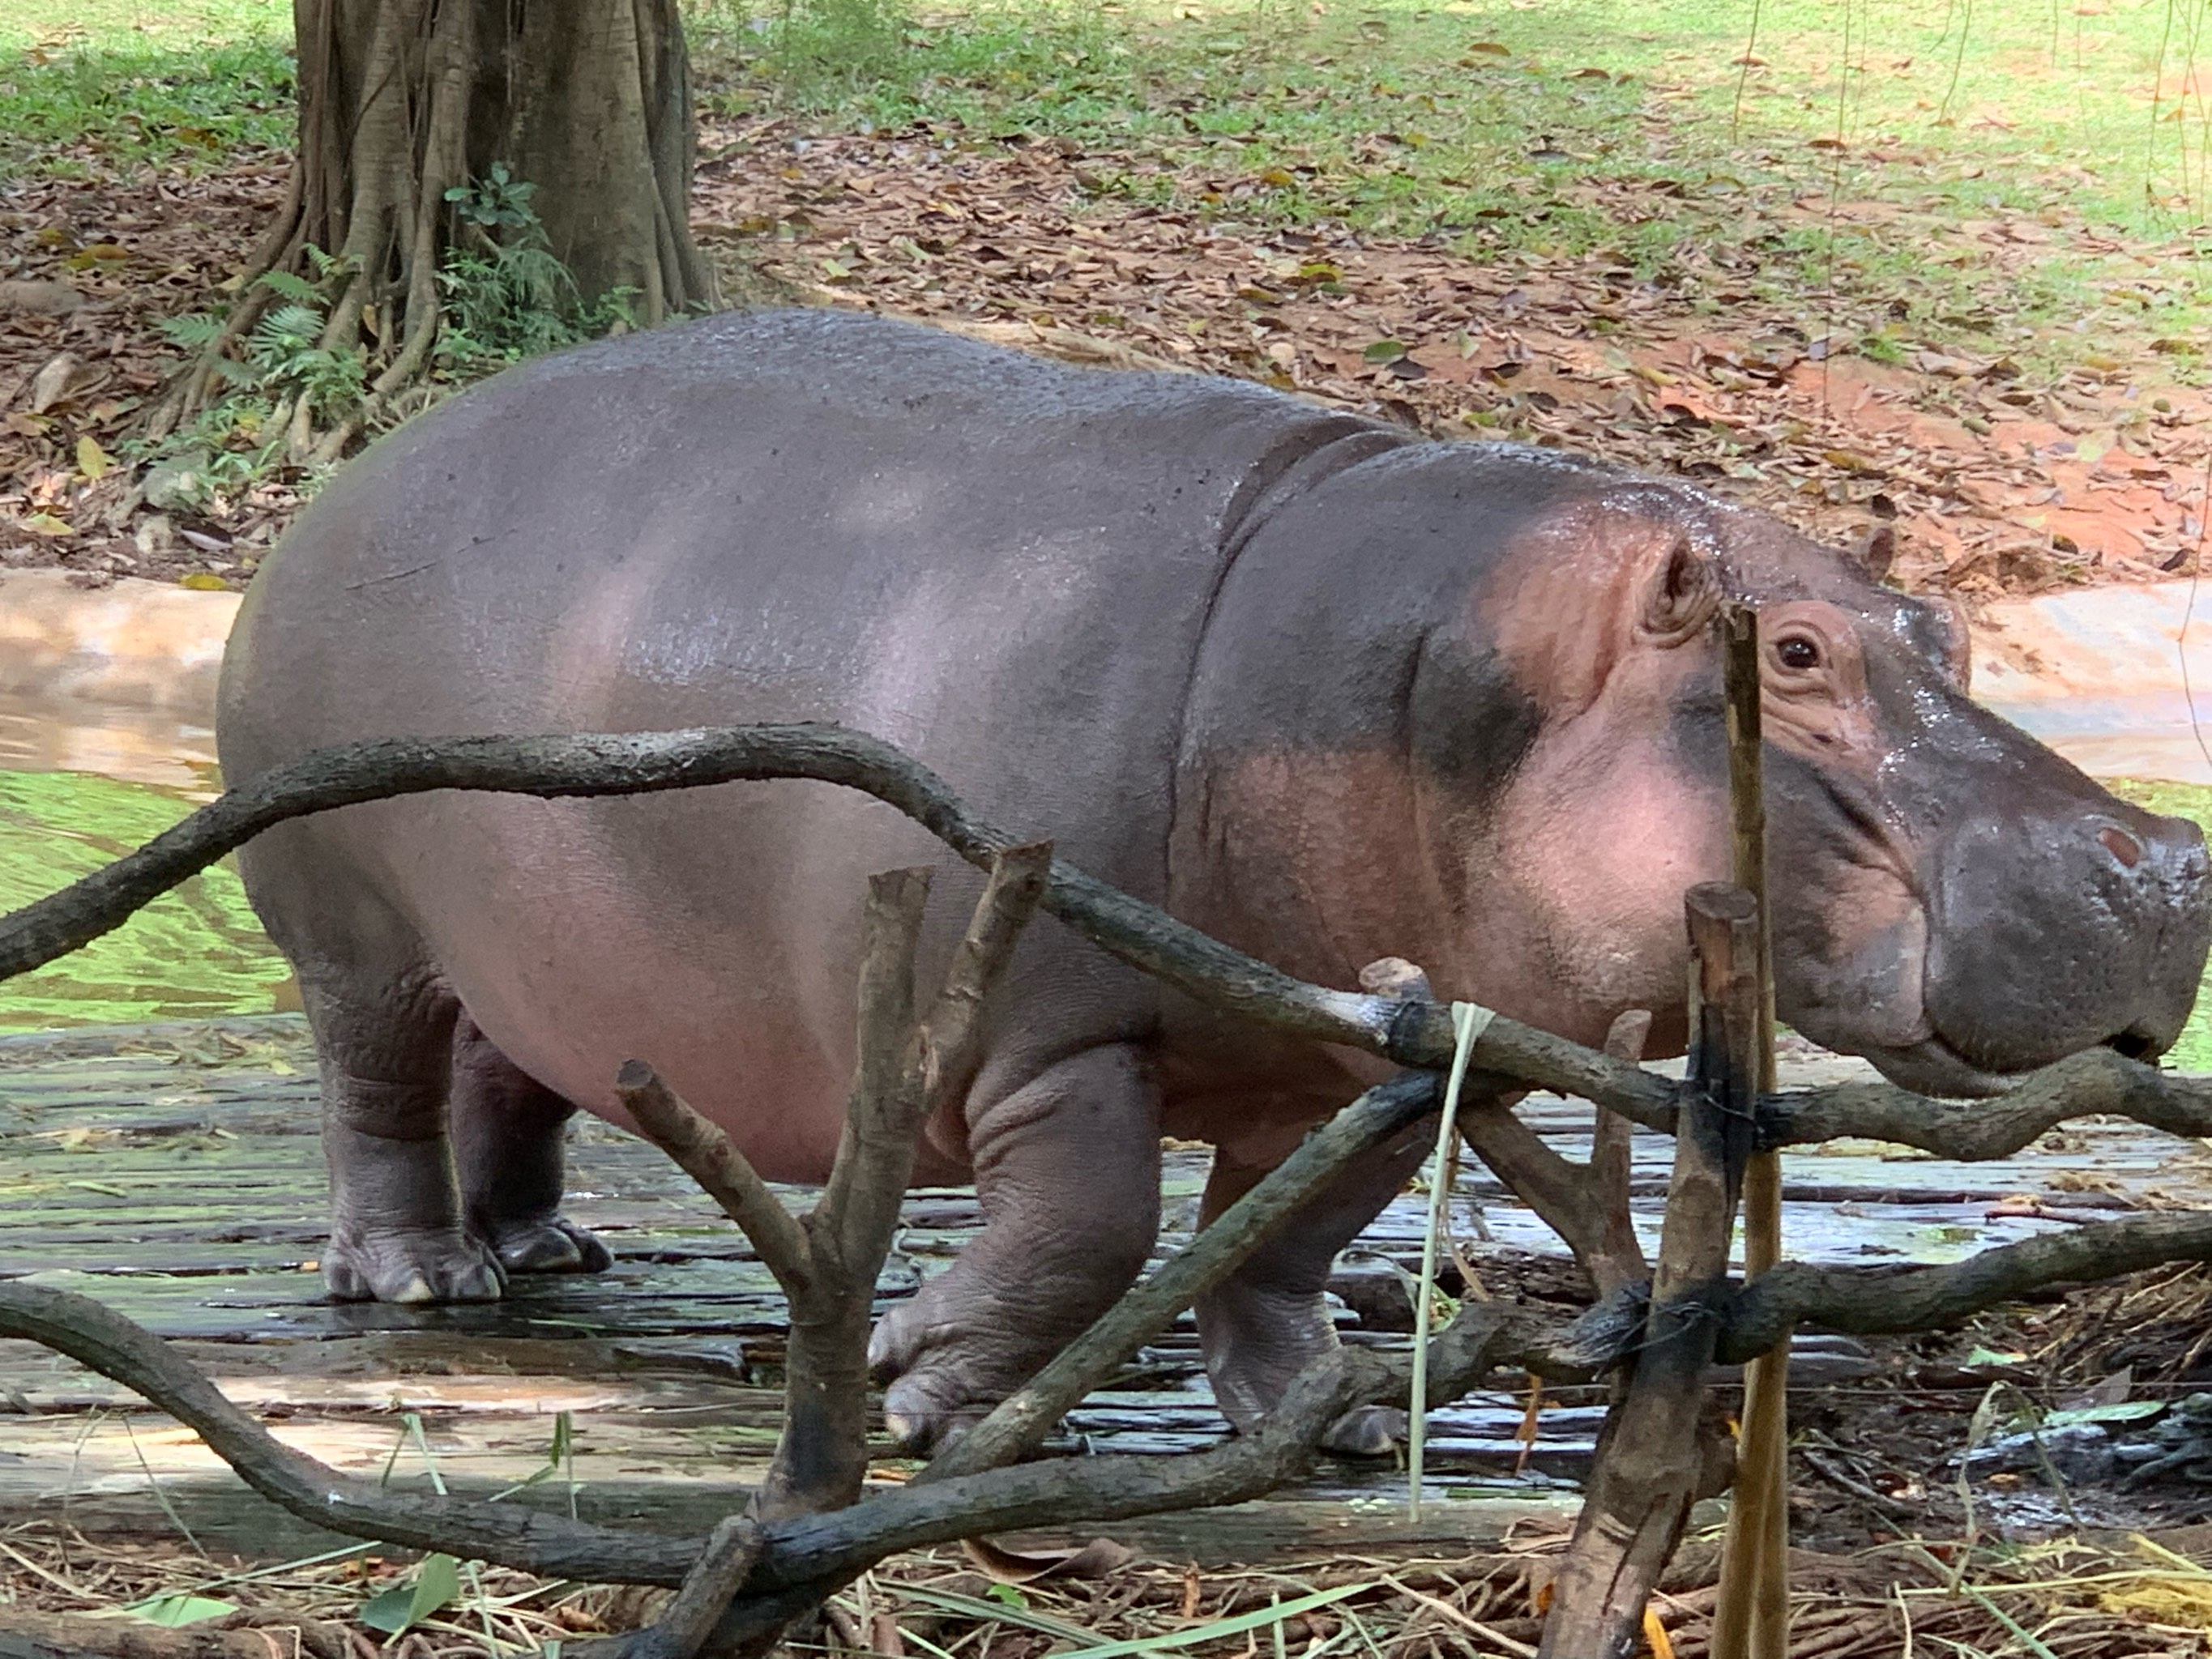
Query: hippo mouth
{"points": [[1934, 1066]]}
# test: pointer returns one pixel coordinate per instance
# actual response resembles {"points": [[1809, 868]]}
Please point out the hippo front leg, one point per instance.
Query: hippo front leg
{"points": [[1269, 1320], [1067, 1167]]}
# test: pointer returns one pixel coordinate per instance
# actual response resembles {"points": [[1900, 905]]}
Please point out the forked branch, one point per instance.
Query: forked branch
{"points": [[828, 1262]]}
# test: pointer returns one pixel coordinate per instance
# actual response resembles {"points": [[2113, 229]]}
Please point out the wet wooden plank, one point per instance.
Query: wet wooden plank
{"points": [[174, 1174]]}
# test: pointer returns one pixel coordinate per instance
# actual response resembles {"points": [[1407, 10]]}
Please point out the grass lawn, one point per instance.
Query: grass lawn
{"points": [[2023, 181]]}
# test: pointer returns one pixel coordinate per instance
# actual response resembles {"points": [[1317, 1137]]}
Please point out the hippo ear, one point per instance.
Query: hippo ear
{"points": [[1953, 640], [1681, 594], [1874, 552]]}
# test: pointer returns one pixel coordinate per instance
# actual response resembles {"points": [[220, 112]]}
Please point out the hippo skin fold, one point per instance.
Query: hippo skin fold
{"points": [[1326, 689]]}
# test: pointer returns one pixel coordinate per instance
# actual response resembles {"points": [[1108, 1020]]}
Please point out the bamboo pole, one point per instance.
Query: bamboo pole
{"points": [[1652, 1462], [1751, 1619]]}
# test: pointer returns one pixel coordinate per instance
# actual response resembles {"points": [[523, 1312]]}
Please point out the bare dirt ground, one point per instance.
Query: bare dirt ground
{"points": [[1996, 481]]}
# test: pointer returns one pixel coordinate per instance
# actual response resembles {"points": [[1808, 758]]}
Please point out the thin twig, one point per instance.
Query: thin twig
{"points": [[709, 1157]]}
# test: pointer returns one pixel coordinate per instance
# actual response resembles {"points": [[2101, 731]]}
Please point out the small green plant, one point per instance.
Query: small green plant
{"points": [[221, 453], [498, 200], [507, 296]]}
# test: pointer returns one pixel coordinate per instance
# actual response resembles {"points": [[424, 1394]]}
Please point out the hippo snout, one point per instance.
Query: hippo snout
{"points": [[2087, 927]]}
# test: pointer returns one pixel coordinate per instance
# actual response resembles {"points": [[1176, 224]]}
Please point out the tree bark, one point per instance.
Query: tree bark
{"points": [[588, 102]]}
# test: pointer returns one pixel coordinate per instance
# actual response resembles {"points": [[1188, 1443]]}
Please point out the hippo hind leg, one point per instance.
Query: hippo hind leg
{"points": [[397, 1231], [508, 1131], [1269, 1320]]}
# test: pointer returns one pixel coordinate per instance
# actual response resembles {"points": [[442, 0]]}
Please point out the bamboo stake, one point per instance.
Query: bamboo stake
{"points": [[1751, 1619], [1651, 1461]]}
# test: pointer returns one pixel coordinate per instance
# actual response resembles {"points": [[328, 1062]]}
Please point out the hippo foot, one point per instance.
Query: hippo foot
{"points": [[413, 1269], [554, 1245], [943, 1378], [1366, 1431]]}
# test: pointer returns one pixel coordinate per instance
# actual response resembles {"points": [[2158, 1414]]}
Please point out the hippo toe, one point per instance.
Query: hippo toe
{"points": [[1366, 1431], [941, 1376], [556, 1245], [446, 1266]]}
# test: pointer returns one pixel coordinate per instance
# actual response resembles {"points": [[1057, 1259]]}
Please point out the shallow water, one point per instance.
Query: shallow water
{"points": [[196, 952]]}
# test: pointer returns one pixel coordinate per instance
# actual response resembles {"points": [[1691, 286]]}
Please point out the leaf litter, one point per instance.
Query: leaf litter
{"points": [[2120, 1597], [1998, 478]]}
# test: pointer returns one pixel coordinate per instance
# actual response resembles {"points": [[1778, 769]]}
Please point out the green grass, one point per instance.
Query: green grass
{"points": [[1622, 130], [89, 86], [1618, 129]]}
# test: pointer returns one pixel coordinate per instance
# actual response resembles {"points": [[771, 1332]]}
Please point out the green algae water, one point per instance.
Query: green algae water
{"points": [[194, 952], [198, 950]]}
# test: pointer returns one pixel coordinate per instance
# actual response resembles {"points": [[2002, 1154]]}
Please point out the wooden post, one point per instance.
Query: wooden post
{"points": [[1652, 1458], [1751, 1619]]}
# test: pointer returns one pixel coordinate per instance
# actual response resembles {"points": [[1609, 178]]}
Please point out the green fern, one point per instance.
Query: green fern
{"points": [[285, 332], [195, 330], [296, 288]]}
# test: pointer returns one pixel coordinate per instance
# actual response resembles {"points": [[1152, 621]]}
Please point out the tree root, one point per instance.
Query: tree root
{"points": [[404, 101]]}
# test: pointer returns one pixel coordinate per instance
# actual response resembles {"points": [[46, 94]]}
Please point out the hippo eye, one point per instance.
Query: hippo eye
{"points": [[1798, 652]]}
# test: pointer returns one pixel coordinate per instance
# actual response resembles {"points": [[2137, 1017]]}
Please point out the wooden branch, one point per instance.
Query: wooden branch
{"points": [[1751, 1618], [1483, 1336], [1563, 1195], [550, 1545], [952, 1037], [1412, 1034], [1870, 1300], [1024, 1418], [876, 1150], [1618, 1259], [907, 1072], [680, 1632], [1650, 1460], [796, 1553], [28, 1634], [822, 1454], [2096, 1080], [706, 1155]]}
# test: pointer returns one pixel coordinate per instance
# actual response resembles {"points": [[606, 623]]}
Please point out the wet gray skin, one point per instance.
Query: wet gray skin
{"points": [[1330, 691]]}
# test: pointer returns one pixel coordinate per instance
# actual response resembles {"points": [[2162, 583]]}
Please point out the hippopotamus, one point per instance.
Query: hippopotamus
{"points": [[1325, 688]]}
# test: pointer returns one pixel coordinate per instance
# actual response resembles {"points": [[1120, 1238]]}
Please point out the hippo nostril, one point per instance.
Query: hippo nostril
{"points": [[2122, 845], [2134, 1045]]}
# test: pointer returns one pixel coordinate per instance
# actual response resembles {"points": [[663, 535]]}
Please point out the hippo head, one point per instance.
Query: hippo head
{"points": [[1951, 899], [1462, 704]]}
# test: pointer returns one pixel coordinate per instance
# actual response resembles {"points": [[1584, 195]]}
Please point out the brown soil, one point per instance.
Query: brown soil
{"points": [[1995, 483]]}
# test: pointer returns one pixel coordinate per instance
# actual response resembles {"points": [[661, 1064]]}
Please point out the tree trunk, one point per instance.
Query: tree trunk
{"points": [[586, 103]]}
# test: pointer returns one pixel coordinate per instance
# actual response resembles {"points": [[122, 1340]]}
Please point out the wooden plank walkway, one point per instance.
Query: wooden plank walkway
{"points": [[172, 1172]]}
